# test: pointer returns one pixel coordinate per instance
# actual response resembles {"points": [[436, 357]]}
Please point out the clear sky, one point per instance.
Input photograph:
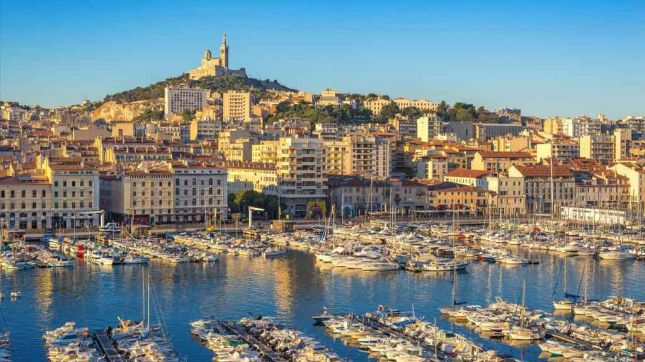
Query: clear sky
{"points": [[546, 57]]}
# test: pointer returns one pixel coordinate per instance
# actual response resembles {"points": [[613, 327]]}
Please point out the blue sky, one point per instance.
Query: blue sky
{"points": [[545, 57]]}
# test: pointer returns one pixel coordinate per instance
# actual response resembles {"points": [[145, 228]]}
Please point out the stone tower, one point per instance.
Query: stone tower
{"points": [[223, 52]]}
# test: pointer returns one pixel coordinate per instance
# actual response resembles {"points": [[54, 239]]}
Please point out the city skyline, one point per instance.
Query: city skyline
{"points": [[565, 59]]}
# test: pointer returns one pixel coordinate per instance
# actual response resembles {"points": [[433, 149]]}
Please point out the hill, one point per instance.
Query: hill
{"points": [[219, 84]]}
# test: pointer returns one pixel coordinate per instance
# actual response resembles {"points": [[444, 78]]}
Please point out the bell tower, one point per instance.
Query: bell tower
{"points": [[223, 52]]}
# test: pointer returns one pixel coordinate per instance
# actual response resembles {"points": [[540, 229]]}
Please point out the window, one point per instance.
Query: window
{"points": [[34, 193], [89, 183], [82, 183], [64, 183], [23, 194], [73, 183]]}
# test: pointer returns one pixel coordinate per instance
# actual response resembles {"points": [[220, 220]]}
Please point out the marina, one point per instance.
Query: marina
{"points": [[296, 286]]}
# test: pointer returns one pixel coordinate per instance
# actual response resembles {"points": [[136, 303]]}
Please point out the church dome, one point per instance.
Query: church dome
{"points": [[207, 54]]}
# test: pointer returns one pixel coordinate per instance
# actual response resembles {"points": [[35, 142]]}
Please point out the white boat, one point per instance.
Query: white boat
{"points": [[618, 254], [15, 294], [563, 305], [274, 253], [135, 259], [523, 334], [380, 266]]}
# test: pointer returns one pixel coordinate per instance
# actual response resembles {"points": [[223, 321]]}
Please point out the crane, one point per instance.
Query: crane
{"points": [[251, 209]]}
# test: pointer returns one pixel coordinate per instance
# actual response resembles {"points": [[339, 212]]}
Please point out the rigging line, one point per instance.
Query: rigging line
{"points": [[160, 316]]}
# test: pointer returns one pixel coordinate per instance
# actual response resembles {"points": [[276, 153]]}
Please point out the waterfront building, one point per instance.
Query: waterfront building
{"points": [[509, 198], [201, 191], [256, 176], [354, 195], [302, 183], [545, 185], [634, 171], [468, 177], [237, 106], [451, 196], [178, 100], [25, 203], [75, 193], [499, 162]]}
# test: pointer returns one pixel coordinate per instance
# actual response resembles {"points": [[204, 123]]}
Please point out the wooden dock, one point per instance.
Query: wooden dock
{"points": [[254, 342], [107, 346]]}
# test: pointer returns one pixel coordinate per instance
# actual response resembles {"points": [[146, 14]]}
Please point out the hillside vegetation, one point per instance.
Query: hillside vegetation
{"points": [[219, 84]]}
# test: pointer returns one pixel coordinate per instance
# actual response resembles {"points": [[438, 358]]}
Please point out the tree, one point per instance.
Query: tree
{"points": [[389, 111], [242, 200], [188, 115], [412, 112]]}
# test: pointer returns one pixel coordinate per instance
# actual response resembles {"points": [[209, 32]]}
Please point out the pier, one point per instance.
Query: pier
{"points": [[251, 340], [373, 323], [106, 345]]}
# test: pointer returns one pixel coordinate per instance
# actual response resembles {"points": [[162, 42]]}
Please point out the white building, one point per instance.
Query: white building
{"points": [[178, 100]]}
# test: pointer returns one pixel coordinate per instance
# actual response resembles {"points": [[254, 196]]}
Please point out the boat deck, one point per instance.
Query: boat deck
{"points": [[107, 346], [252, 341]]}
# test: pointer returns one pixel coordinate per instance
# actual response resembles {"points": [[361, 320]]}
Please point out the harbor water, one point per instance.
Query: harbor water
{"points": [[292, 289]]}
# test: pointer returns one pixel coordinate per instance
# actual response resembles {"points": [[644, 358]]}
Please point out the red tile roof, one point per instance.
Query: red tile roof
{"points": [[499, 154], [464, 172], [544, 171]]}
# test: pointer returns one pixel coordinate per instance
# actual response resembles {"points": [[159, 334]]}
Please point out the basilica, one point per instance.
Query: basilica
{"points": [[211, 66]]}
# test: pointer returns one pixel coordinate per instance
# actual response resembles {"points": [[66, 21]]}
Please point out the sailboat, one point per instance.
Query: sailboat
{"points": [[569, 300], [522, 333], [455, 312]]}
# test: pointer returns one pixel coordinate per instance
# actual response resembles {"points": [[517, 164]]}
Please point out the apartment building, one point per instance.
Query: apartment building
{"points": [[25, 203], [201, 192], [75, 193], [141, 197], [484, 131], [178, 100], [260, 177], [237, 106], [265, 152], [302, 183], [428, 127], [451, 196], [335, 155], [468, 177], [559, 149], [509, 199], [545, 185], [599, 147], [499, 162], [165, 193], [360, 158]]}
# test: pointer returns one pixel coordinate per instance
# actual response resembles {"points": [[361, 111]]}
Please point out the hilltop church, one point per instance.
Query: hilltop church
{"points": [[210, 66]]}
